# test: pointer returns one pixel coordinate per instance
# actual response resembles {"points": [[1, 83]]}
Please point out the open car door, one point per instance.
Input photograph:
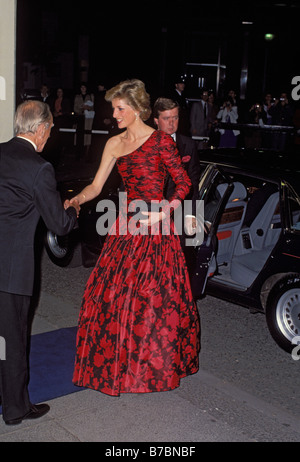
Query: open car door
{"points": [[215, 187]]}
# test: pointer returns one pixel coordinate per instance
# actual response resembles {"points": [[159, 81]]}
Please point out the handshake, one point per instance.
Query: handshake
{"points": [[72, 203]]}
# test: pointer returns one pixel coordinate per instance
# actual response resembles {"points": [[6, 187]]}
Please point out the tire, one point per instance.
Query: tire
{"points": [[283, 311], [62, 250]]}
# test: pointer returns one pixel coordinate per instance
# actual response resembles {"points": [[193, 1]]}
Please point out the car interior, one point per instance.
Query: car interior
{"points": [[248, 230]]}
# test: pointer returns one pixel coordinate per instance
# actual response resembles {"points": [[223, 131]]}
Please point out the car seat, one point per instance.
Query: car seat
{"points": [[256, 243], [231, 220]]}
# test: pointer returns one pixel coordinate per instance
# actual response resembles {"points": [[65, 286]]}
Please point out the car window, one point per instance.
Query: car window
{"points": [[213, 195], [259, 194], [293, 210]]}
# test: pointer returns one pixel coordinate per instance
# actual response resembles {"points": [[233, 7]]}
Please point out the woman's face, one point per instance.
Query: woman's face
{"points": [[124, 114]]}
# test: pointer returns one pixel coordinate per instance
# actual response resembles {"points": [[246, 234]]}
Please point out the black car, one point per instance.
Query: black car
{"points": [[251, 255], [251, 251], [83, 245]]}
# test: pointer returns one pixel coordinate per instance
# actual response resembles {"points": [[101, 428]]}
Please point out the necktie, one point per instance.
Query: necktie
{"points": [[204, 110]]}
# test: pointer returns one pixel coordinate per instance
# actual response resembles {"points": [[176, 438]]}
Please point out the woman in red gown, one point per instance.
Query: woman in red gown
{"points": [[139, 328]]}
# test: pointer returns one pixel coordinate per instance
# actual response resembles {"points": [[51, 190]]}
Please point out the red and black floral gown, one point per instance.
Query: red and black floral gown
{"points": [[139, 328]]}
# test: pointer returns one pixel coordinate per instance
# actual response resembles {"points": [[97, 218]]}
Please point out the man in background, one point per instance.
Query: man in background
{"points": [[201, 118], [166, 117], [178, 94]]}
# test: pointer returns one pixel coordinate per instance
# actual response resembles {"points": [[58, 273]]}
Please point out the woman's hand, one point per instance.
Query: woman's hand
{"points": [[152, 217]]}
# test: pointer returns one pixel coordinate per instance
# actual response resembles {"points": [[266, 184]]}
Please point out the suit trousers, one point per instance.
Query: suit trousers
{"points": [[14, 373]]}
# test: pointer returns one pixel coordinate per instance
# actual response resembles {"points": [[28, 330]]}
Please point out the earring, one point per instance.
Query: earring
{"points": [[136, 116]]}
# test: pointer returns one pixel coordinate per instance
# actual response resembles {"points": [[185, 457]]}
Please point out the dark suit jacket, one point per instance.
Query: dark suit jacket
{"points": [[27, 192], [187, 149], [184, 117], [199, 124]]}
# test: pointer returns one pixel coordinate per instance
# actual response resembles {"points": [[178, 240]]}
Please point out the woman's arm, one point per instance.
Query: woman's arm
{"points": [[107, 162], [172, 161]]}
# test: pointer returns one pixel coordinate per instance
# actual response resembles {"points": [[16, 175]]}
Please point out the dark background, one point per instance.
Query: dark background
{"points": [[153, 41]]}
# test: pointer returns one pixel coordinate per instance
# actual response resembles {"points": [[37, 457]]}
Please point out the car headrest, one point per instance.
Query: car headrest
{"points": [[239, 192]]}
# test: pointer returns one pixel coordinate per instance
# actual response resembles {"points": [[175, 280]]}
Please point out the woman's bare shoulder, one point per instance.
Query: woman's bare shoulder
{"points": [[113, 145]]}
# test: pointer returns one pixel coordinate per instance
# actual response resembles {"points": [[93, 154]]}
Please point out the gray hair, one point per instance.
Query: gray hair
{"points": [[29, 115]]}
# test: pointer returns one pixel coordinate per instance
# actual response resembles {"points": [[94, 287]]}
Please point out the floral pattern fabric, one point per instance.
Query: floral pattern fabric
{"points": [[139, 328]]}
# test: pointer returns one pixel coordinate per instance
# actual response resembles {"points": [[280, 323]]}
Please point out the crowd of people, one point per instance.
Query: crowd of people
{"points": [[260, 124], [265, 123], [86, 111]]}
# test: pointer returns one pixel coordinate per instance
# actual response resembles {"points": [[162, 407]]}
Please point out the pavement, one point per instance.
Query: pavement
{"points": [[91, 416], [203, 409]]}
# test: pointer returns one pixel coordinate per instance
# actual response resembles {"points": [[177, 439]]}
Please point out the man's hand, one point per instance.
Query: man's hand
{"points": [[74, 204], [193, 226], [190, 224]]}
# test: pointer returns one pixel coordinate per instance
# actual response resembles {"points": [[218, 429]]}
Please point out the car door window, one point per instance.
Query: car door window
{"points": [[213, 200], [215, 186], [293, 210]]}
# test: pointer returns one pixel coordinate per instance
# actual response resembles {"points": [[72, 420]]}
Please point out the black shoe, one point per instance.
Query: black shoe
{"points": [[36, 411]]}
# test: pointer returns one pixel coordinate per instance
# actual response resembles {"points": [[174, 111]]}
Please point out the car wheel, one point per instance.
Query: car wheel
{"points": [[283, 312], [62, 250]]}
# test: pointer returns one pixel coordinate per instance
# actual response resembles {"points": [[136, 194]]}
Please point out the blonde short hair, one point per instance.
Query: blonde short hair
{"points": [[29, 115], [134, 93]]}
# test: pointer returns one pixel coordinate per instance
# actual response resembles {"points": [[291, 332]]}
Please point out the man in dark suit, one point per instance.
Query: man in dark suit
{"points": [[201, 118], [178, 94], [27, 192], [166, 117]]}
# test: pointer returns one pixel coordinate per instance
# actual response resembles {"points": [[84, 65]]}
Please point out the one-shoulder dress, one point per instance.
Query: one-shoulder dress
{"points": [[139, 327]]}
